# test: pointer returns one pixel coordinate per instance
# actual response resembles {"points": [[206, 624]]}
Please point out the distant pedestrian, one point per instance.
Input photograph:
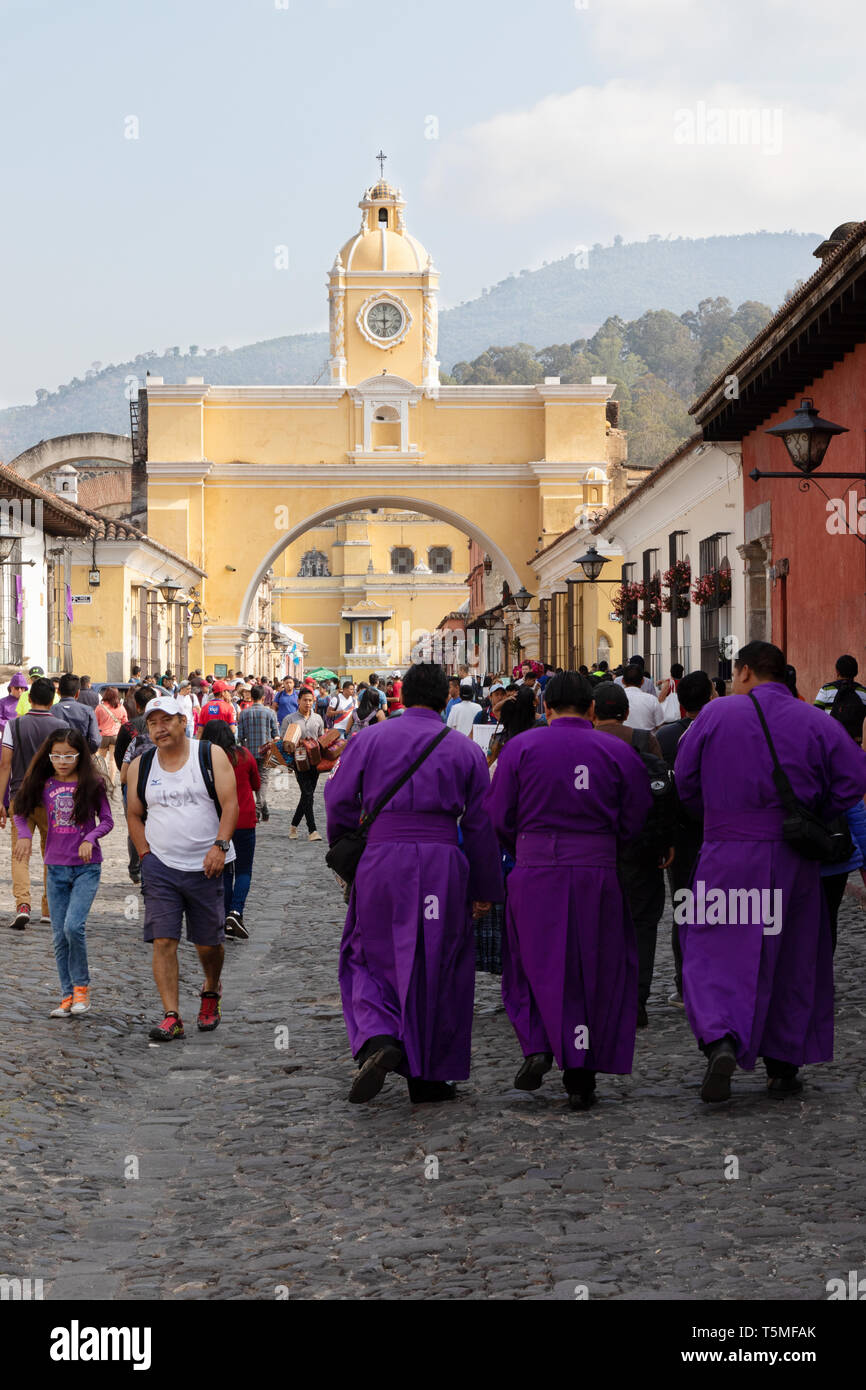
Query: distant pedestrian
{"points": [[111, 717], [466, 711], [237, 874], [87, 695], [76, 715], [287, 700], [133, 740], [62, 783], [311, 726], [216, 707], [257, 726], [845, 698], [644, 710], [645, 683]]}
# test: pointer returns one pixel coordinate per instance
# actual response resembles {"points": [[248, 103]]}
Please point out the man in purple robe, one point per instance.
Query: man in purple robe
{"points": [[757, 951], [407, 960], [561, 799]]}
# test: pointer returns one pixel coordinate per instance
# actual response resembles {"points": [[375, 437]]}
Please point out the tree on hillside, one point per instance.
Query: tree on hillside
{"points": [[656, 421], [667, 347], [500, 366]]}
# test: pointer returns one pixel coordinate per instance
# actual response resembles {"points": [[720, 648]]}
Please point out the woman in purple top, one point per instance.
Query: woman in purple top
{"points": [[561, 799], [63, 778], [407, 961]]}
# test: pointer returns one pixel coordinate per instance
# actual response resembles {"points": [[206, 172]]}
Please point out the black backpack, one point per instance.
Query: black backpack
{"points": [[657, 834], [849, 709], [205, 762]]}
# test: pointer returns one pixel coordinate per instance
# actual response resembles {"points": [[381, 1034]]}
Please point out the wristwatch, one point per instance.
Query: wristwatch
{"points": [[224, 845]]}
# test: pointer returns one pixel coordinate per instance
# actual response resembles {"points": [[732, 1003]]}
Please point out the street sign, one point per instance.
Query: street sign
{"points": [[82, 598]]}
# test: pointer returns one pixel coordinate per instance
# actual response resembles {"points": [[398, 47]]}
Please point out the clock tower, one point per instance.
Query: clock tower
{"points": [[382, 293]]}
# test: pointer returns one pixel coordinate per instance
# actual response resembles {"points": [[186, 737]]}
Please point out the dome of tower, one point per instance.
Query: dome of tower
{"points": [[383, 244]]}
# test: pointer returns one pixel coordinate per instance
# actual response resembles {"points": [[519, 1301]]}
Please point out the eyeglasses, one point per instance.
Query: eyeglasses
{"points": [[63, 757]]}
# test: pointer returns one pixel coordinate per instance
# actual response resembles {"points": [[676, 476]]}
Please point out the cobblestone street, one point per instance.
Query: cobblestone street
{"points": [[231, 1166]]}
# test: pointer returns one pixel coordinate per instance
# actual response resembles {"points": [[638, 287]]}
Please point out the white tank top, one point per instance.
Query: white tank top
{"points": [[182, 821]]}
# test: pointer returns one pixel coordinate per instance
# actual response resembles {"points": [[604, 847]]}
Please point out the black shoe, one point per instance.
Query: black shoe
{"points": [[22, 920], [235, 927], [430, 1092], [582, 1100], [784, 1085], [721, 1065], [373, 1074], [642, 1019], [536, 1065]]}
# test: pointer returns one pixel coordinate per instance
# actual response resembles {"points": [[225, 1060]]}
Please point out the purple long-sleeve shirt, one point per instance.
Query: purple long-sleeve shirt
{"points": [[64, 834]]}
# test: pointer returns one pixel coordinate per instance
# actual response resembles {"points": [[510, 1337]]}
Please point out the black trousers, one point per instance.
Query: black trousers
{"points": [[644, 885], [307, 784], [834, 891]]}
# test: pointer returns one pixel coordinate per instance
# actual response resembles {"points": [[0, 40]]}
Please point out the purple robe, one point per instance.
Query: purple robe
{"points": [[560, 799], [772, 991], [407, 959]]}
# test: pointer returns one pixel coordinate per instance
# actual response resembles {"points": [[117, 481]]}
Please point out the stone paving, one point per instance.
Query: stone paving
{"points": [[230, 1165]]}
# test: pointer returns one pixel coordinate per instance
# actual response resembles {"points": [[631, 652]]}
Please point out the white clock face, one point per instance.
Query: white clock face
{"points": [[384, 320]]}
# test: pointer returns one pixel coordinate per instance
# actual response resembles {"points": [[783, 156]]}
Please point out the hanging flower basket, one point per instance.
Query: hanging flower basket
{"points": [[651, 593], [678, 578], [626, 597], [713, 589], [676, 603]]}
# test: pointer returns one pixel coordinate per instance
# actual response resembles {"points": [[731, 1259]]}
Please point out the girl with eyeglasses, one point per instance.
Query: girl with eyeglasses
{"points": [[63, 779]]}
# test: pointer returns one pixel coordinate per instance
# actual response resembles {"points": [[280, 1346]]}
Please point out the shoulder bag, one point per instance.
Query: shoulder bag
{"points": [[344, 856], [808, 835]]}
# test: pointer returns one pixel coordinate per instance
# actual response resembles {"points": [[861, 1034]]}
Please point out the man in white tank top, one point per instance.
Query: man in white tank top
{"points": [[183, 846]]}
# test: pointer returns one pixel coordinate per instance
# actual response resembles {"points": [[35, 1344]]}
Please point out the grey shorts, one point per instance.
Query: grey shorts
{"points": [[169, 893]]}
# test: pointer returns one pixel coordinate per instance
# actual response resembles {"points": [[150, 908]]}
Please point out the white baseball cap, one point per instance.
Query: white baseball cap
{"points": [[163, 704]]}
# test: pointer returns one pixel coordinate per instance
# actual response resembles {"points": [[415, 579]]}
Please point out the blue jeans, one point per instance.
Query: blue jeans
{"points": [[71, 890], [238, 875]]}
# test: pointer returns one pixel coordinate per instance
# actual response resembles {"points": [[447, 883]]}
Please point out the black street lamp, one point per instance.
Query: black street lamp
{"points": [[522, 599], [592, 563], [806, 436]]}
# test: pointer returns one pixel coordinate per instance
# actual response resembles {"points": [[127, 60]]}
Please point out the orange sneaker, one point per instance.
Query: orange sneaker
{"points": [[80, 999], [64, 1008]]}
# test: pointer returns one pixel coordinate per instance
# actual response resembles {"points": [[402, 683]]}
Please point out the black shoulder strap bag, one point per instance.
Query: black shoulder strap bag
{"points": [[829, 842], [344, 856]]}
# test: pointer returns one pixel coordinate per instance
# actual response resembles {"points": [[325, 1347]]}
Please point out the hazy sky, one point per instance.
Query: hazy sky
{"points": [[555, 124]]}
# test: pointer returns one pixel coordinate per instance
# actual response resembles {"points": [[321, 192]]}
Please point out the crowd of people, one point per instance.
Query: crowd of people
{"points": [[536, 843]]}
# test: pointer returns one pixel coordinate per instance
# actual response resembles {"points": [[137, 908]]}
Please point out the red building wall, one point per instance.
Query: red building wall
{"points": [[826, 585]]}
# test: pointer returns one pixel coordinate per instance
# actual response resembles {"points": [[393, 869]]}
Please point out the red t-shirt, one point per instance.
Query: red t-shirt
{"points": [[249, 781], [215, 709]]}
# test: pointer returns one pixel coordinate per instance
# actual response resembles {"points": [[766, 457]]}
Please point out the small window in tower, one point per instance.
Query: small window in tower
{"points": [[402, 560], [439, 559], [383, 217]]}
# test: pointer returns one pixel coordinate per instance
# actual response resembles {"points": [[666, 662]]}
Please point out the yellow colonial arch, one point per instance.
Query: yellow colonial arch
{"points": [[236, 472]]}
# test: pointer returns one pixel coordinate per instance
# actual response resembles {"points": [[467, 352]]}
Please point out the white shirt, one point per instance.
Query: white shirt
{"points": [[463, 715], [182, 821], [644, 711]]}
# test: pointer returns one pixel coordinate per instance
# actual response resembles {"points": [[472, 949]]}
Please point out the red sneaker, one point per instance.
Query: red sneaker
{"points": [[209, 1012], [170, 1028]]}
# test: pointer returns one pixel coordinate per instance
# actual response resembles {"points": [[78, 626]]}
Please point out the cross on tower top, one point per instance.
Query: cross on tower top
{"points": [[381, 158]]}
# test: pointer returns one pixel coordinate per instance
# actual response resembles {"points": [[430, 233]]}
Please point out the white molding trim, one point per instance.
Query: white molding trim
{"points": [[197, 469], [372, 470]]}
